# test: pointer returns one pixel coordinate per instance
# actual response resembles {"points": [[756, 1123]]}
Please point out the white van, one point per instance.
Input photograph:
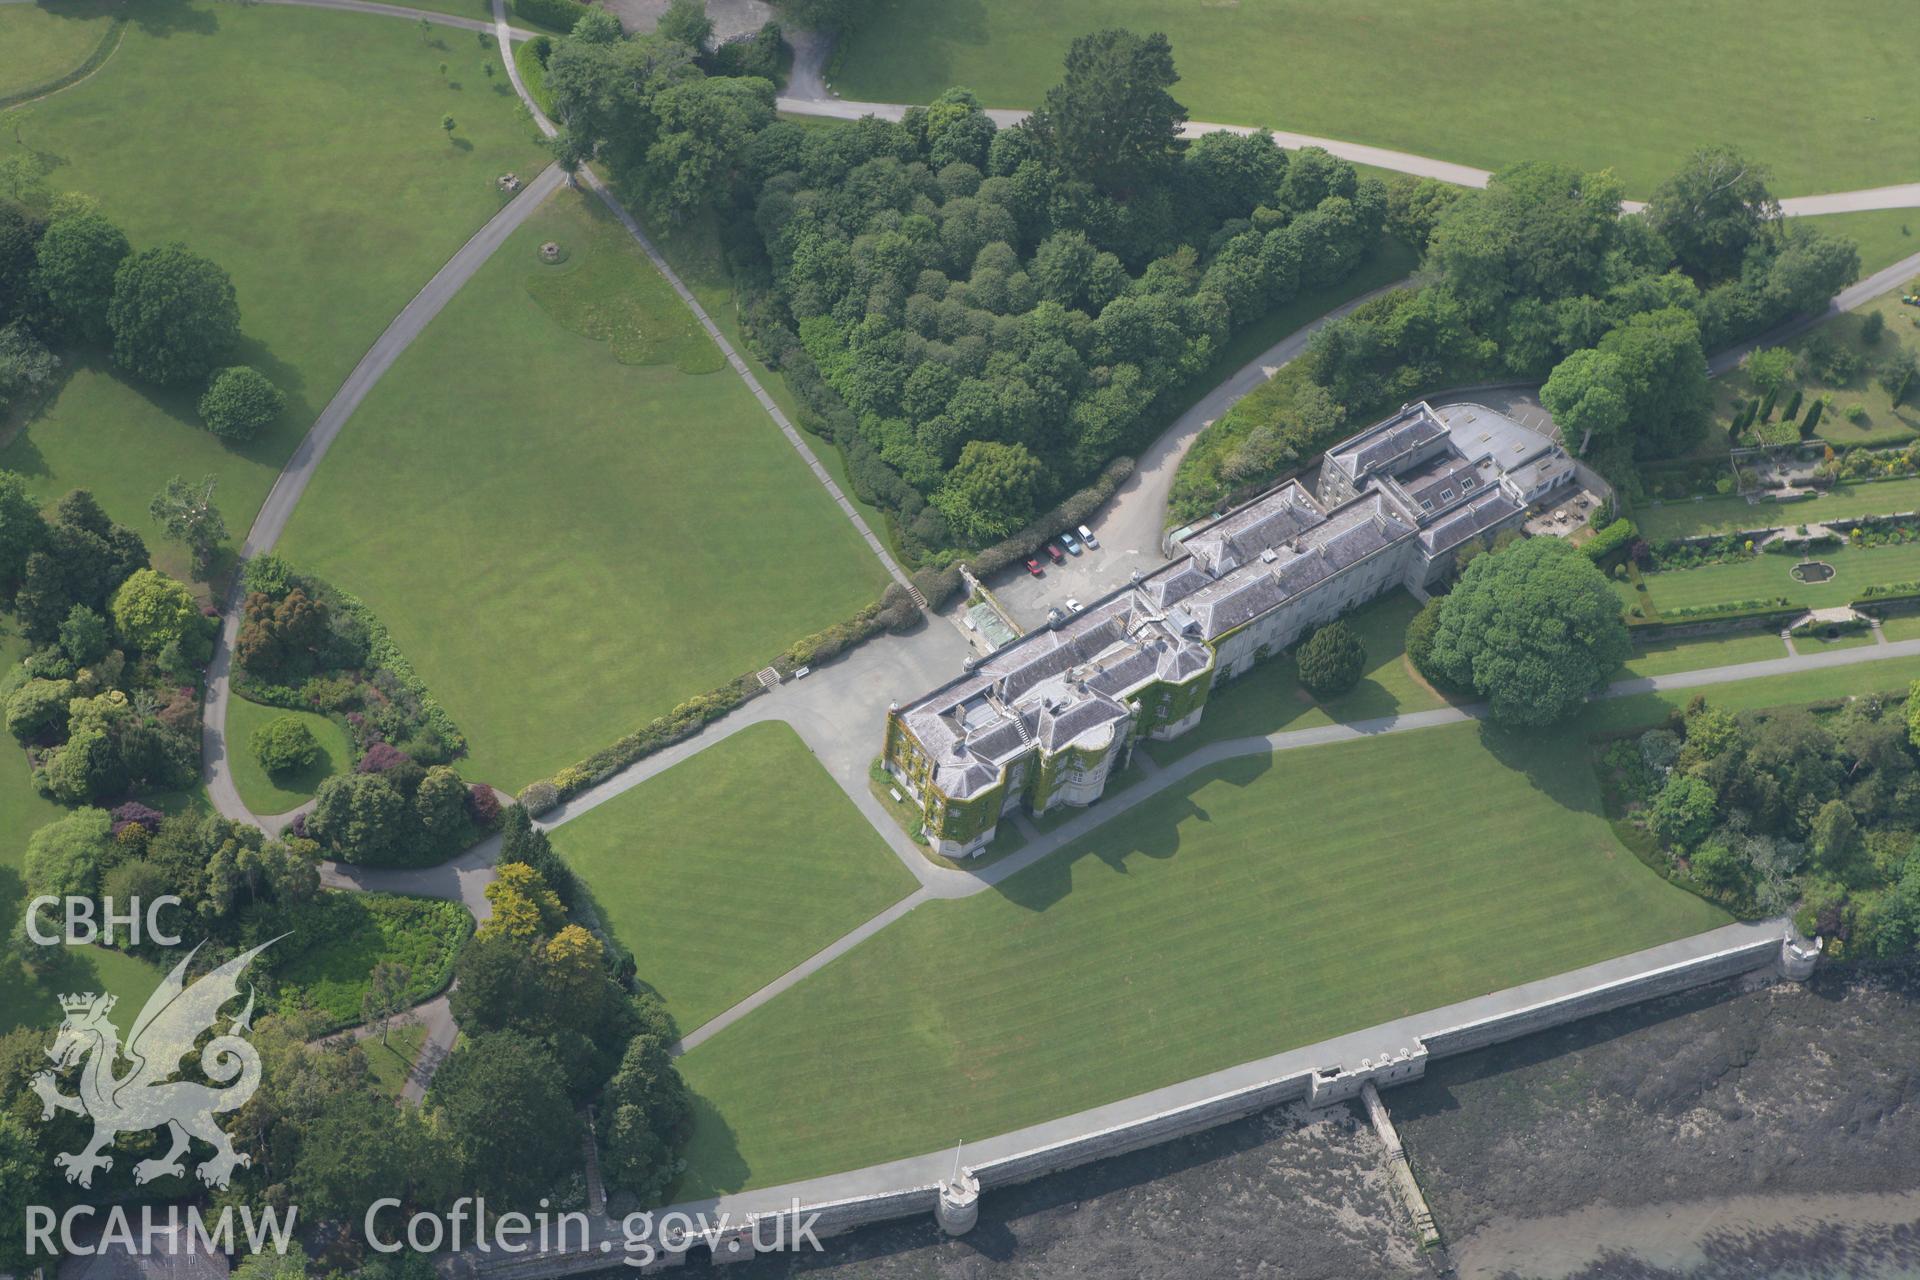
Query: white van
{"points": [[1086, 536]]}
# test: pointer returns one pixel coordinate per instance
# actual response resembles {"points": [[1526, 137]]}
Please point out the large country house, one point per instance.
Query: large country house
{"points": [[1049, 718]]}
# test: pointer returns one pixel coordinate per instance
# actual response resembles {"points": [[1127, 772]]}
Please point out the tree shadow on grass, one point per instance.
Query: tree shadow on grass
{"points": [[722, 1168], [1554, 761], [164, 18]]}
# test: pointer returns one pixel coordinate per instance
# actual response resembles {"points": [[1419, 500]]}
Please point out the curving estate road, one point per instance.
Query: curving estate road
{"points": [[835, 710]]}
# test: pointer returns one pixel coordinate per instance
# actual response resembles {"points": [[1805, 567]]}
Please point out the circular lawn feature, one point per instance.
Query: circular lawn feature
{"points": [[1812, 571], [551, 252]]}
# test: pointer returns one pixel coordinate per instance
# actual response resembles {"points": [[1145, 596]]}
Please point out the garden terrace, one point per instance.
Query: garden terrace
{"points": [[1770, 577]]}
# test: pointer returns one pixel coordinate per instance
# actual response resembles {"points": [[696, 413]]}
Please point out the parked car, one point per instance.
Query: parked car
{"points": [[1071, 544], [1055, 554], [1074, 606], [1086, 536], [1033, 565]]}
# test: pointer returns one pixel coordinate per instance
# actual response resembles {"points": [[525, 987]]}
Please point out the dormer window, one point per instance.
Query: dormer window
{"points": [[1426, 504], [1446, 495], [1467, 483]]}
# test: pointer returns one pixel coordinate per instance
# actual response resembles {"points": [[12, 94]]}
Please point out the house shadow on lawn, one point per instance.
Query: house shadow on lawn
{"points": [[1151, 829]]}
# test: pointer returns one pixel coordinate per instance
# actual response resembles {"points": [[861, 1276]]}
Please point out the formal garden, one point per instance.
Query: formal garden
{"points": [[1679, 580], [1862, 368]]}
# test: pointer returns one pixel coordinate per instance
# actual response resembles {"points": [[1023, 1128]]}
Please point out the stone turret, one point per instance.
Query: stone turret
{"points": [[959, 1205], [1798, 956]]}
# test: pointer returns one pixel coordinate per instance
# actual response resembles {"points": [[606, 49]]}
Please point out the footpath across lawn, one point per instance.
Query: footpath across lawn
{"points": [[1266, 903], [564, 544], [1817, 92], [328, 190], [730, 868]]}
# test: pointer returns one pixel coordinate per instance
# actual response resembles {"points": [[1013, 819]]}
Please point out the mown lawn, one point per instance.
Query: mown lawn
{"points": [[1822, 93], [566, 545], [42, 42], [1270, 698], [269, 793], [730, 868], [1764, 577], [1731, 514], [1663, 657], [1266, 903], [327, 190]]}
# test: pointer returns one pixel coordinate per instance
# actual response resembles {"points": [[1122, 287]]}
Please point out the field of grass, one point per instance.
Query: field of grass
{"points": [[563, 544], [1236, 915], [1902, 628], [1763, 577], [694, 250], [1880, 421], [328, 191], [1731, 514], [1665, 656], [358, 931], [390, 1062], [1269, 698], [1884, 235], [1821, 94], [266, 793], [42, 42], [763, 860]]}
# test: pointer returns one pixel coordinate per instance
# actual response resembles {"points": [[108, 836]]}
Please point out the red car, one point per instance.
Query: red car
{"points": [[1053, 550], [1033, 566]]}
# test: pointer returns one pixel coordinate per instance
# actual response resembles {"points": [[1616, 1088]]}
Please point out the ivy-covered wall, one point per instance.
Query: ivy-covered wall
{"points": [[1163, 703]]}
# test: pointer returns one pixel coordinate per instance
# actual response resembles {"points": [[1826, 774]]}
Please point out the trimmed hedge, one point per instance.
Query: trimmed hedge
{"points": [[1747, 615], [558, 14], [1608, 541]]}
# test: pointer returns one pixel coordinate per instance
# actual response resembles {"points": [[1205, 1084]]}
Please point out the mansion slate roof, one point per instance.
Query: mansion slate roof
{"points": [[1067, 685]]}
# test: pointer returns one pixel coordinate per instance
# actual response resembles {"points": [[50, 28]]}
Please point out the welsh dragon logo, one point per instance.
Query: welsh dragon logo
{"points": [[145, 1097]]}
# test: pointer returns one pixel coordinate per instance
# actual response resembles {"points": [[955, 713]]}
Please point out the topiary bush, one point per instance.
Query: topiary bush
{"points": [[240, 403], [1332, 660], [284, 744]]}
